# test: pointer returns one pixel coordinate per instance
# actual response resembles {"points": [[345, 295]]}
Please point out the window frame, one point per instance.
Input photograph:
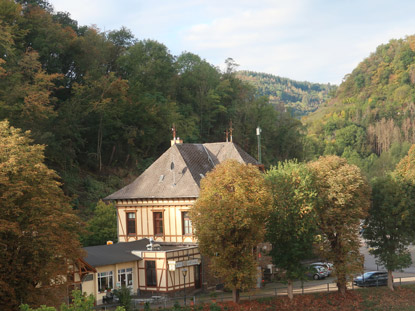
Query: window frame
{"points": [[109, 277], [128, 277], [186, 224], [128, 221], [156, 222]]}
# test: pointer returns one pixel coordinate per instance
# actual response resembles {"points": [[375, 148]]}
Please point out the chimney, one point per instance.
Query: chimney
{"points": [[176, 141]]}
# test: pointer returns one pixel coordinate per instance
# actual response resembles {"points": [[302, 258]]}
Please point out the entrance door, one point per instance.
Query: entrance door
{"points": [[198, 276]]}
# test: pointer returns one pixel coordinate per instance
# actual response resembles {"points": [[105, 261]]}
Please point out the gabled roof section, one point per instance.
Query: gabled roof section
{"points": [[178, 171], [225, 151]]}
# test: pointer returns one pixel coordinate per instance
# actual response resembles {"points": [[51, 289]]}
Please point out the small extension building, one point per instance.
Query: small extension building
{"points": [[157, 251]]}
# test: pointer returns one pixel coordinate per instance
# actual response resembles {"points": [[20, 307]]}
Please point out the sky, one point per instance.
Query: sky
{"points": [[306, 40]]}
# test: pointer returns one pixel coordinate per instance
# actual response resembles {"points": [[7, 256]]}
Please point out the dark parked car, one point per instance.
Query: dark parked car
{"points": [[373, 278]]}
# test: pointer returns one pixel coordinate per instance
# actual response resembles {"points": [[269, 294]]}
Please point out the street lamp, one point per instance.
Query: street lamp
{"points": [[184, 272], [258, 134]]}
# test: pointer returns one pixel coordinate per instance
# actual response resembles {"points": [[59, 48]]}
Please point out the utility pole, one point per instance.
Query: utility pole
{"points": [[258, 134]]}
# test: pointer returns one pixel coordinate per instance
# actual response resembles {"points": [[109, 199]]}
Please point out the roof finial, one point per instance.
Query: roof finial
{"points": [[174, 131], [231, 130]]}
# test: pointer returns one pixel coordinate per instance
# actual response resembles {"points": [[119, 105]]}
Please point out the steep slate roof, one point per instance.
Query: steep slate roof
{"points": [[191, 163], [103, 255]]}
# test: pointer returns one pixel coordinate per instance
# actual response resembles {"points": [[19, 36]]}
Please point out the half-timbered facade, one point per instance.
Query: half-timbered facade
{"points": [[156, 204], [155, 207]]}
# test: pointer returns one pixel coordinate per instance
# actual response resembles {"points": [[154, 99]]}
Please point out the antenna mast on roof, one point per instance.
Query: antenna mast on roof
{"points": [[258, 134]]}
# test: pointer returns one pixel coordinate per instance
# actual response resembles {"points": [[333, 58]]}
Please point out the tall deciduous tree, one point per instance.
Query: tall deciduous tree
{"points": [[389, 226], [38, 230], [291, 226], [229, 220], [343, 200]]}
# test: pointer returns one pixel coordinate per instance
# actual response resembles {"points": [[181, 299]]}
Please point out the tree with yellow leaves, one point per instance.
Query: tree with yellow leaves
{"points": [[229, 220], [38, 230], [343, 199]]}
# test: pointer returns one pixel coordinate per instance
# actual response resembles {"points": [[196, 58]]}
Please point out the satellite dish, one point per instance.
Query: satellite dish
{"points": [[172, 166]]}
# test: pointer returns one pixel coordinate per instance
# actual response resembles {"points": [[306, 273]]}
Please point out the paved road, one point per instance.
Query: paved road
{"points": [[370, 262]]}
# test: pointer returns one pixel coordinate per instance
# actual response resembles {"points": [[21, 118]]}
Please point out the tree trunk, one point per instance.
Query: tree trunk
{"points": [[342, 284], [235, 295], [290, 290], [390, 280]]}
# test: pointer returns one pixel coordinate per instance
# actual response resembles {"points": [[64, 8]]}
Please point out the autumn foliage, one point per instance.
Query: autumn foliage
{"points": [[343, 200], [229, 221], [38, 230]]}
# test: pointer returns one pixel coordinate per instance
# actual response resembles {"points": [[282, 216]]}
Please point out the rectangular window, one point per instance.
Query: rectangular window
{"points": [[187, 224], [158, 223], [125, 277], [131, 223], [105, 281], [151, 273]]}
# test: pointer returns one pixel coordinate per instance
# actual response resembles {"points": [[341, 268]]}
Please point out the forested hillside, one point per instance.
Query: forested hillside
{"points": [[104, 103], [301, 97], [370, 121]]}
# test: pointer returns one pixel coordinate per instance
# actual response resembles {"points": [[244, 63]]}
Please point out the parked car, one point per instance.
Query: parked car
{"points": [[372, 278], [316, 272], [327, 265]]}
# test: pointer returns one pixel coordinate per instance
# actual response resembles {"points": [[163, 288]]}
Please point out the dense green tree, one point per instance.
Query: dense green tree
{"points": [[343, 200], [229, 218], [103, 226], [389, 227], [38, 230], [196, 93], [149, 67], [10, 31], [27, 94], [291, 226]]}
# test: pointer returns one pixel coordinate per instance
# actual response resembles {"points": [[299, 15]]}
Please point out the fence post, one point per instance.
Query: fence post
{"points": [[400, 281], [275, 291], [302, 287], [328, 287]]}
